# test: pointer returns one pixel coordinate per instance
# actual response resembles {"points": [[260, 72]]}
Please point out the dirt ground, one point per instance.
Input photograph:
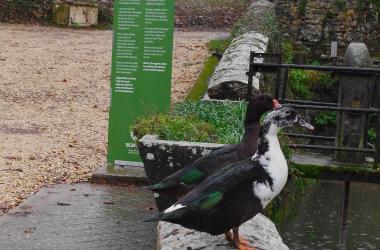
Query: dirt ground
{"points": [[54, 96]]}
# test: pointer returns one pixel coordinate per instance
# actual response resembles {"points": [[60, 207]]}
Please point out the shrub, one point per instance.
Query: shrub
{"points": [[287, 52], [302, 82], [372, 135], [299, 83], [325, 118]]}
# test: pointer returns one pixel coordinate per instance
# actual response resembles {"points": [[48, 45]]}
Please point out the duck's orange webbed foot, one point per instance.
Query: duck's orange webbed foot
{"points": [[243, 241], [245, 247], [240, 243], [243, 244]]}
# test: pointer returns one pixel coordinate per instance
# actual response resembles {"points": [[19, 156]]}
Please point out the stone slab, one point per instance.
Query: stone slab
{"points": [[81, 216], [259, 231]]}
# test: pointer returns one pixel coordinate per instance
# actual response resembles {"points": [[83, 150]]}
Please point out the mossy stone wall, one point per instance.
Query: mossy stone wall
{"points": [[315, 23]]}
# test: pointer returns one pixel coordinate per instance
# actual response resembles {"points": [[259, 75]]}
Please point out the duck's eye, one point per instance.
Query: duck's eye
{"points": [[287, 112]]}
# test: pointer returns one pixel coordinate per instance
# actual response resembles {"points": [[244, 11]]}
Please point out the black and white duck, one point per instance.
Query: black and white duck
{"points": [[237, 192], [180, 182]]}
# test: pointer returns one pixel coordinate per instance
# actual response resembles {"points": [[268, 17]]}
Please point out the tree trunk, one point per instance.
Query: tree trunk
{"points": [[229, 80]]}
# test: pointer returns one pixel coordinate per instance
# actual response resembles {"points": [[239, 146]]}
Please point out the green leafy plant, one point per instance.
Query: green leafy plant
{"points": [[302, 7], [325, 118], [340, 4], [299, 84], [302, 82], [371, 135], [287, 52]]}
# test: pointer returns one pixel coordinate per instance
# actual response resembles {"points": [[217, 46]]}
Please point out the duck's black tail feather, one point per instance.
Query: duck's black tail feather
{"points": [[166, 216], [153, 217]]}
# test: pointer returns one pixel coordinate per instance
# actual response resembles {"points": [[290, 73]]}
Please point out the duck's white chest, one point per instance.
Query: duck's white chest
{"points": [[276, 166]]}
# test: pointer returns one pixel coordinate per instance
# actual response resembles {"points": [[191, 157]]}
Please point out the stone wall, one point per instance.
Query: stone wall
{"points": [[315, 23]]}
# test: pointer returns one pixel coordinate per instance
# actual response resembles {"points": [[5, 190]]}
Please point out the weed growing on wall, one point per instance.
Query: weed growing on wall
{"points": [[272, 30]]}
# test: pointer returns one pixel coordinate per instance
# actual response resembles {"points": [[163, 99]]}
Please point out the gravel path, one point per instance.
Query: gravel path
{"points": [[54, 95]]}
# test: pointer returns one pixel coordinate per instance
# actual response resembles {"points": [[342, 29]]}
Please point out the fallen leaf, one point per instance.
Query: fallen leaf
{"points": [[108, 202], [63, 204]]}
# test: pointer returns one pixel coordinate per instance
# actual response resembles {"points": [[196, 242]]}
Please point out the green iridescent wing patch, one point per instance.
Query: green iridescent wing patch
{"points": [[192, 176], [211, 200]]}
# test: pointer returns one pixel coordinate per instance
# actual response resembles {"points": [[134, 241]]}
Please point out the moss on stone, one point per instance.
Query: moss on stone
{"points": [[61, 13], [349, 172], [200, 86]]}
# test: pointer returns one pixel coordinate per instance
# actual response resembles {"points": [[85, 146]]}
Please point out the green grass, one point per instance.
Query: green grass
{"points": [[227, 117], [216, 122], [175, 127]]}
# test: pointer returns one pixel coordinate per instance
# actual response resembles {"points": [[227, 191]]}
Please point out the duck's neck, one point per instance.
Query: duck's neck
{"points": [[251, 134], [268, 140], [252, 127]]}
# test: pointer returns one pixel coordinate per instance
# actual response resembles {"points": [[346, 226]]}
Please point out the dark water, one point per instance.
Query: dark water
{"points": [[317, 224]]}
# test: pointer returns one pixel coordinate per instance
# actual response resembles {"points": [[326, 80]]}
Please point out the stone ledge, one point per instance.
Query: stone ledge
{"points": [[119, 176], [259, 231]]}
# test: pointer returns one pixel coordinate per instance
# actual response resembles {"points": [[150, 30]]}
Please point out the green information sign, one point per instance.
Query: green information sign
{"points": [[141, 70]]}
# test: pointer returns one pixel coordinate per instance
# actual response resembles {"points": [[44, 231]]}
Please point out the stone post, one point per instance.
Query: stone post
{"points": [[354, 92]]}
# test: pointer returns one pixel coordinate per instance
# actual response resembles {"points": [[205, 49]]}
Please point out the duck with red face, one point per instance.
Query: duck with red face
{"points": [[179, 183], [237, 192]]}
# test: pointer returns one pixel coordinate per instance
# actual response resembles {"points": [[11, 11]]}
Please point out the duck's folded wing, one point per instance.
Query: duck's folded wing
{"points": [[197, 170], [212, 190]]}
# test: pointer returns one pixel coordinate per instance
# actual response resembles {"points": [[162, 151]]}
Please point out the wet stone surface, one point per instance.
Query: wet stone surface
{"points": [[81, 216]]}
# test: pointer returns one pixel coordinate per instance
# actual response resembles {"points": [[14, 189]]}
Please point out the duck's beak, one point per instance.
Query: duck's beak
{"points": [[302, 123], [276, 104]]}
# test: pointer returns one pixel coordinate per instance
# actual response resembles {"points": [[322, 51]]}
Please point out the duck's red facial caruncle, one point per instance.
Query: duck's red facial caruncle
{"points": [[276, 104]]}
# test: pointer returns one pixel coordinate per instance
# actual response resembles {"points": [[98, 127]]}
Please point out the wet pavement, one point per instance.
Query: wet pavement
{"points": [[81, 216]]}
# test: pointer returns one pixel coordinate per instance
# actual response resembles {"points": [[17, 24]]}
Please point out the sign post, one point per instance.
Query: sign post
{"points": [[141, 70]]}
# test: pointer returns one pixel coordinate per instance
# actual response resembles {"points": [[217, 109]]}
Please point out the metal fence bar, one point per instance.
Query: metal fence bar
{"points": [[250, 74], [284, 84], [347, 70], [316, 107], [304, 146], [291, 101], [318, 137], [377, 129]]}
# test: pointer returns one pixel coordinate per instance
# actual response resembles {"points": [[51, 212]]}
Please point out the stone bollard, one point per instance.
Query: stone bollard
{"points": [[354, 92]]}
